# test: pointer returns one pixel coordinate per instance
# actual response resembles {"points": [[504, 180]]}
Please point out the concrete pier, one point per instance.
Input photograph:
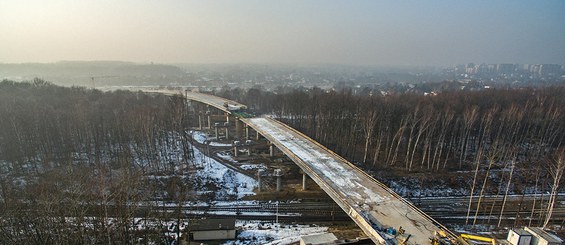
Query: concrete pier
{"points": [[200, 120], [278, 174], [237, 127], [209, 120], [259, 181]]}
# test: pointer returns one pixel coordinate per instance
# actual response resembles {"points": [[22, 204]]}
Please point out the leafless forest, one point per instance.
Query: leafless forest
{"points": [[495, 142], [74, 160], [68, 171]]}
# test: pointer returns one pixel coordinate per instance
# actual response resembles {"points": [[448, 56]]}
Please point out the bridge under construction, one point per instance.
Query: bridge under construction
{"points": [[373, 206]]}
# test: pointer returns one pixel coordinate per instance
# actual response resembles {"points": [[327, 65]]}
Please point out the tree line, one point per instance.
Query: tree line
{"points": [[504, 139], [81, 166]]}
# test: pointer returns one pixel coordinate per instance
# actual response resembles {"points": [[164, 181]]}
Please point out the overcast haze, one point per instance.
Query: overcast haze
{"points": [[264, 31]]}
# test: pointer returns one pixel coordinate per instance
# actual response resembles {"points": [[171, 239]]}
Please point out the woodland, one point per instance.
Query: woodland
{"points": [[81, 166], [495, 141], [73, 160]]}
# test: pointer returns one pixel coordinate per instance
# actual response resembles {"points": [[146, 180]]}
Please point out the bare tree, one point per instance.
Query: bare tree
{"points": [[369, 125], [555, 167], [469, 118], [512, 166]]}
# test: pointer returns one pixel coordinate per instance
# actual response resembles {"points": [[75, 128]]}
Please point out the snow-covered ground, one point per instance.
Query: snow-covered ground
{"points": [[229, 181], [256, 232], [226, 156], [202, 138], [253, 166]]}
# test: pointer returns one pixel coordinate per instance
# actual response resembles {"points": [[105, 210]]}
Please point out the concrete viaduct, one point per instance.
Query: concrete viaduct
{"points": [[372, 205]]}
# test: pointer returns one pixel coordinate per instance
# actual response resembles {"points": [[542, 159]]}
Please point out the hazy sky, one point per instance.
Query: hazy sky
{"points": [[372, 32]]}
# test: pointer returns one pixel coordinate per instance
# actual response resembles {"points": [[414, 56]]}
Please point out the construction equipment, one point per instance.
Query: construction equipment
{"points": [[467, 238]]}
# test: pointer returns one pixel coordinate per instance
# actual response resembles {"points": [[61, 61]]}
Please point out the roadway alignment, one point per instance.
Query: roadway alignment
{"points": [[362, 197], [359, 195]]}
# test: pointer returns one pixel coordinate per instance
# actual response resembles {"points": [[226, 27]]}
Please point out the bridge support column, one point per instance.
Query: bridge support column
{"points": [[217, 134], [271, 150], [237, 128], [200, 121], [304, 178], [249, 151], [278, 174], [257, 135], [259, 182], [227, 125], [209, 114], [246, 132], [235, 151], [209, 120]]}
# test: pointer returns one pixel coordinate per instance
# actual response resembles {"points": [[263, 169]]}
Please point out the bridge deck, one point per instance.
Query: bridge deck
{"points": [[357, 193], [215, 101]]}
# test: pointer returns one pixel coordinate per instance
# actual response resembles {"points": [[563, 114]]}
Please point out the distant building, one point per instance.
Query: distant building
{"points": [[535, 69], [484, 69], [213, 229], [470, 68], [550, 70], [505, 69]]}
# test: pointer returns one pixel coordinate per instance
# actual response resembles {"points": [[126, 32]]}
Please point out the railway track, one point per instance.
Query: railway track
{"points": [[453, 210], [295, 212]]}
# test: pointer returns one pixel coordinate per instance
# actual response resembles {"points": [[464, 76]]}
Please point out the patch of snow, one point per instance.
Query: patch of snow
{"points": [[252, 166], [202, 138], [230, 181], [254, 232]]}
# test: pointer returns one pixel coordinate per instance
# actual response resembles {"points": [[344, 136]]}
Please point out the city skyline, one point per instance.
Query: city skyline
{"points": [[411, 33]]}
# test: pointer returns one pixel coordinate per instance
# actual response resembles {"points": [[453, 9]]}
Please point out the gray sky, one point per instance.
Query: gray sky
{"points": [[284, 31]]}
